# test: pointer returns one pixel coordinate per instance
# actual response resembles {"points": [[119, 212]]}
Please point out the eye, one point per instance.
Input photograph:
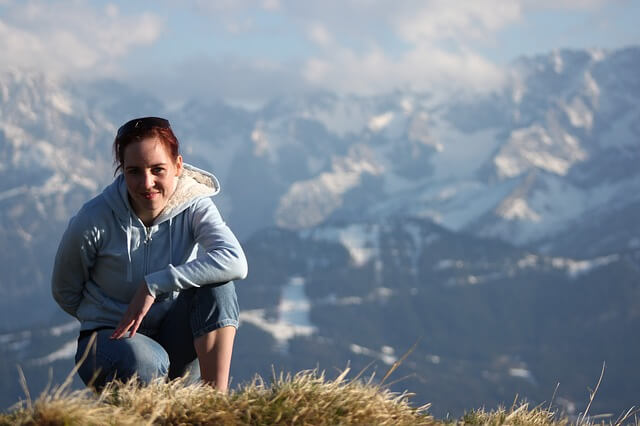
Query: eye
{"points": [[158, 170], [132, 171]]}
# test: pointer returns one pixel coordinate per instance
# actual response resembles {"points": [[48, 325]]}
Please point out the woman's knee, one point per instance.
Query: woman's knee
{"points": [[142, 359], [120, 359]]}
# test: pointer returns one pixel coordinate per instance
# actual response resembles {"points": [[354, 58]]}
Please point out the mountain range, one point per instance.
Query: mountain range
{"points": [[498, 231]]}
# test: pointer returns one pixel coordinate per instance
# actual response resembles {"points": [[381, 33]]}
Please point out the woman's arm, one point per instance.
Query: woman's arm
{"points": [[76, 255], [223, 260]]}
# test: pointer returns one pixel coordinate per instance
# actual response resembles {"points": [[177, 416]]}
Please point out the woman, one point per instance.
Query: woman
{"points": [[128, 267]]}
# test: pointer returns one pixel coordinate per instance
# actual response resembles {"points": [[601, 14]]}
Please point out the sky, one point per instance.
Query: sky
{"points": [[250, 51]]}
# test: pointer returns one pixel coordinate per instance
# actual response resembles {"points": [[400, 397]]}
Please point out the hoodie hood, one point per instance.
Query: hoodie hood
{"points": [[192, 185]]}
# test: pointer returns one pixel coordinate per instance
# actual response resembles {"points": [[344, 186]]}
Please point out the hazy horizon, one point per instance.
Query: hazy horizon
{"points": [[246, 52]]}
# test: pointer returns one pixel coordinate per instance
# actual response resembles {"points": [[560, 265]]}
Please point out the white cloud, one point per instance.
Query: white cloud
{"points": [[319, 34], [226, 6], [112, 10], [357, 46], [465, 21], [436, 44], [436, 39], [62, 37], [424, 68], [234, 78], [372, 47], [271, 4], [567, 4]]}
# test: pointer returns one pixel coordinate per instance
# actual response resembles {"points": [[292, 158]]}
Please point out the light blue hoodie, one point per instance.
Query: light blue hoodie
{"points": [[107, 252]]}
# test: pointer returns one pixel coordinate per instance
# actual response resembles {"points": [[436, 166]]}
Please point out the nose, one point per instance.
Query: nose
{"points": [[149, 180]]}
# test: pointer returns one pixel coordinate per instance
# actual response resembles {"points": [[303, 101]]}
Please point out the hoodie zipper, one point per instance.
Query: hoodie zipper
{"points": [[147, 249]]}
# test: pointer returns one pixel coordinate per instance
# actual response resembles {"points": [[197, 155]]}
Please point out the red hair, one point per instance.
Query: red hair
{"points": [[163, 134]]}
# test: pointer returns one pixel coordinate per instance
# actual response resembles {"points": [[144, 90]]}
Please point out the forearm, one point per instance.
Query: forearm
{"points": [[215, 267]]}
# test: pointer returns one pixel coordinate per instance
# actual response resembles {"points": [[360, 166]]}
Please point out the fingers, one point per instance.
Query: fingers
{"points": [[136, 324], [138, 308], [123, 327]]}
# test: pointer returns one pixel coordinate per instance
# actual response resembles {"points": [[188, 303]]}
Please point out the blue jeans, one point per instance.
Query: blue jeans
{"points": [[168, 353]]}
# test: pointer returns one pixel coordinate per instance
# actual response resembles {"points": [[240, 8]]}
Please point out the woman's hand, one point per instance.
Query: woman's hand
{"points": [[138, 308]]}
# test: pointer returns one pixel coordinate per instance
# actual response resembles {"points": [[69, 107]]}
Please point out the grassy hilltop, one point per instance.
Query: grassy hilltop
{"points": [[306, 398]]}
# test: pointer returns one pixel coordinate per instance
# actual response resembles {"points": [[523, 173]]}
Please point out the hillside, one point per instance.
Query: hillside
{"points": [[488, 317]]}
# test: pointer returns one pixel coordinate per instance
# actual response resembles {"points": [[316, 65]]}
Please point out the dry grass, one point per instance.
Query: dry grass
{"points": [[307, 398], [521, 414]]}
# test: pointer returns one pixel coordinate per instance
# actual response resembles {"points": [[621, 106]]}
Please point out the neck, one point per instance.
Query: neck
{"points": [[147, 217], [147, 220]]}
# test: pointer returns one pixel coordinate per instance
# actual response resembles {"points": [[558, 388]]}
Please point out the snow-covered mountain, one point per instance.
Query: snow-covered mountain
{"points": [[544, 172], [548, 162], [556, 146], [554, 149]]}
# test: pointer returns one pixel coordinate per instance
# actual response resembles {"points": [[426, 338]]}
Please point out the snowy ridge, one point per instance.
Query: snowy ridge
{"points": [[513, 177], [67, 351], [309, 203], [293, 315], [360, 240]]}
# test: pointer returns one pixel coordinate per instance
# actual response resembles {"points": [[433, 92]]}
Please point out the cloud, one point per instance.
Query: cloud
{"points": [[435, 44], [227, 6], [568, 4], [319, 34], [270, 47], [463, 22], [424, 68], [62, 37], [366, 47], [243, 80], [271, 4], [431, 45]]}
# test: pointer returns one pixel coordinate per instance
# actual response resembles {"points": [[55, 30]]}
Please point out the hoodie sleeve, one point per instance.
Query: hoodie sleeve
{"points": [[223, 259], [74, 259]]}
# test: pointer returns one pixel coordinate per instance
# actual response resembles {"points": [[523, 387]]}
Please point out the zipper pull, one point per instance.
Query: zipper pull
{"points": [[148, 238]]}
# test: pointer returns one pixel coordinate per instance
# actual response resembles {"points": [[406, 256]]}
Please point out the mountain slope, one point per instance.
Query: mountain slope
{"points": [[484, 316]]}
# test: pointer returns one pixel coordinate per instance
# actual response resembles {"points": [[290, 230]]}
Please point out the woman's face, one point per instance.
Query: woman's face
{"points": [[150, 173]]}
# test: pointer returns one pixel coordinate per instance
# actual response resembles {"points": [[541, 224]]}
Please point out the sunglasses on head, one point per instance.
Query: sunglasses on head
{"points": [[142, 124]]}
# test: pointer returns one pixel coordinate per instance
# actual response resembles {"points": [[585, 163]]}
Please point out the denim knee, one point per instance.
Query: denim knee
{"points": [[213, 307], [121, 359]]}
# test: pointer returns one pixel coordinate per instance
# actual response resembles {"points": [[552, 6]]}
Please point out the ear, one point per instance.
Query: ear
{"points": [[179, 166]]}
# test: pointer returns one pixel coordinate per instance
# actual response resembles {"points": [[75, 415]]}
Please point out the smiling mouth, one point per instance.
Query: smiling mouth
{"points": [[150, 195]]}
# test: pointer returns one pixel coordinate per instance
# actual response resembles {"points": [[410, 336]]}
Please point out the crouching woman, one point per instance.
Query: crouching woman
{"points": [[148, 265]]}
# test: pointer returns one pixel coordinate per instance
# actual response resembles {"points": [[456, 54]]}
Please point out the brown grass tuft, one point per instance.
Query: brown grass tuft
{"points": [[520, 415], [306, 398]]}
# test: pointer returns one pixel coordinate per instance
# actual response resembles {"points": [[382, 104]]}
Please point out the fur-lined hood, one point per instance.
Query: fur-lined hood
{"points": [[192, 185]]}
